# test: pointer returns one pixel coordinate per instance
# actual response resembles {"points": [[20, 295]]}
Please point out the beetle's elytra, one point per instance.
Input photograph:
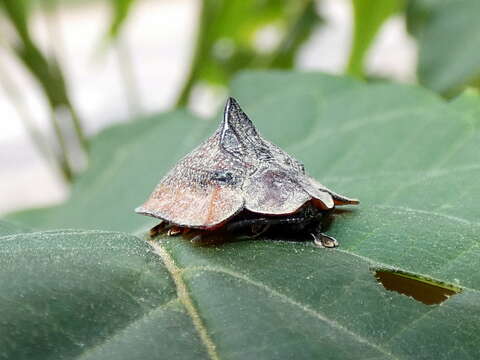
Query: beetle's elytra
{"points": [[236, 180]]}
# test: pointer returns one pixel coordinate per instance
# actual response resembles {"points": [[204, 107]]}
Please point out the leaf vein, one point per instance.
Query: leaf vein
{"points": [[117, 334], [184, 297], [293, 302]]}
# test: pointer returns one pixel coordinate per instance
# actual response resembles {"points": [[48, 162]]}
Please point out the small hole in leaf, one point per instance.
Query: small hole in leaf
{"points": [[424, 290]]}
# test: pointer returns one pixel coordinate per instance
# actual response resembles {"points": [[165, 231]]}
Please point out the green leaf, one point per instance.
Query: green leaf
{"points": [[8, 228], [89, 295], [411, 158], [369, 16], [18, 13], [449, 43], [101, 295]]}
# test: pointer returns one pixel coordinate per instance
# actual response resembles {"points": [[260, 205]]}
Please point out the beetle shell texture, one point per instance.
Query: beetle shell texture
{"points": [[235, 169]]}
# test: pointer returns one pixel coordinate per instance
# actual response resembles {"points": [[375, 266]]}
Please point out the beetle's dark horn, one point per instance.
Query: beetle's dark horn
{"points": [[230, 105], [234, 118], [230, 139], [236, 129], [230, 102]]}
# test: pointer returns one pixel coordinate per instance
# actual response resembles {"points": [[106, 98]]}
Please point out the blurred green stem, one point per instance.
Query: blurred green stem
{"points": [[63, 149], [294, 29], [301, 19], [120, 12], [197, 58], [56, 42], [14, 93], [368, 17], [17, 100], [47, 72], [53, 85]]}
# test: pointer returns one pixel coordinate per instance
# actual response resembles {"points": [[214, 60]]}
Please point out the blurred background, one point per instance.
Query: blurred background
{"points": [[69, 68]]}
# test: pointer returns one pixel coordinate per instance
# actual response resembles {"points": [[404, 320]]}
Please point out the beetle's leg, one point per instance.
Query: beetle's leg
{"points": [[157, 229], [169, 228], [324, 241], [176, 230]]}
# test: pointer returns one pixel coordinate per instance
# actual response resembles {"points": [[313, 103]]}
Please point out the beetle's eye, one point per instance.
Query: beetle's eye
{"points": [[223, 176]]}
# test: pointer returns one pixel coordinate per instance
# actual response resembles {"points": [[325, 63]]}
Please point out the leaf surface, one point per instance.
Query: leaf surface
{"points": [[409, 156], [88, 294], [448, 32]]}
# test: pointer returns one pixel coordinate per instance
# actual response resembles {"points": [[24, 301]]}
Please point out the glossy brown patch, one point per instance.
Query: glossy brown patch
{"points": [[193, 206]]}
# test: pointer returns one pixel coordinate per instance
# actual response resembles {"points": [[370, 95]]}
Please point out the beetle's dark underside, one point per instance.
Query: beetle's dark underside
{"points": [[307, 223]]}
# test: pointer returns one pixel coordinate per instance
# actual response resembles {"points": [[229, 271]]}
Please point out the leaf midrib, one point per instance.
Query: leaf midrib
{"points": [[185, 298], [286, 299], [193, 312]]}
